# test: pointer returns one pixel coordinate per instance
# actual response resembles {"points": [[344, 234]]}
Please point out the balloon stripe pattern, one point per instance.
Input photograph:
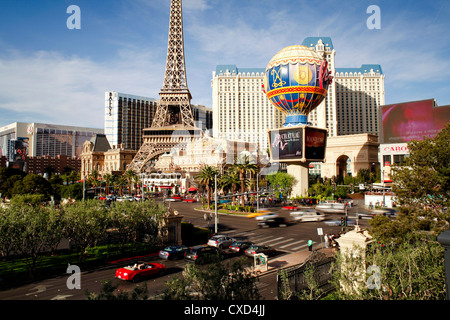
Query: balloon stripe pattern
{"points": [[296, 81]]}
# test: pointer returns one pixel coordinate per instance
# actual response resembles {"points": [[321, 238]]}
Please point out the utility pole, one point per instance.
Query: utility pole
{"points": [[215, 204]]}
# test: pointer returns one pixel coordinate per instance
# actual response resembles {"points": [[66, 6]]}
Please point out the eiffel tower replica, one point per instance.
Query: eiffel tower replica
{"points": [[173, 123]]}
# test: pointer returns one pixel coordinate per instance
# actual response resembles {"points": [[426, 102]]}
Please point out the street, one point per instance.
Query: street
{"points": [[292, 238]]}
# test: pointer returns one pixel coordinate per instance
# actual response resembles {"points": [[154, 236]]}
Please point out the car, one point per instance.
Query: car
{"points": [[255, 249], [307, 215], [290, 208], [240, 246], [177, 198], [267, 215], [139, 270], [331, 207], [220, 241], [125, 198], [362, 215], [273, 222], [202, 254], [173, 252]]}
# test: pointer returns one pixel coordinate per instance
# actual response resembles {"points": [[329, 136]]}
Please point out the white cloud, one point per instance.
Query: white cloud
{"points": [[70, 89]]}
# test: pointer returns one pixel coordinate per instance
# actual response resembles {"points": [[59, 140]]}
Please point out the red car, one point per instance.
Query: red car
{"points": [[139, 270]]}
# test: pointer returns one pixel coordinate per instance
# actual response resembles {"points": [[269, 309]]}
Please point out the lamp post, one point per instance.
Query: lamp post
{"points": [[215, 204]]}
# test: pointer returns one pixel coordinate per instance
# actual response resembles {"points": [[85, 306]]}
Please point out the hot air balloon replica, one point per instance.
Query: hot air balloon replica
{"points": [[296, 82]]}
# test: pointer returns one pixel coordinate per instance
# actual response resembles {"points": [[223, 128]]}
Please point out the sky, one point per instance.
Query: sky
{"points": [[50, 73]]}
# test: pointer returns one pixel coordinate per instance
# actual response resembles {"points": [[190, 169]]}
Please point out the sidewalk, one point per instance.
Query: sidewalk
{"points": [[293, 259], [268, 285]]}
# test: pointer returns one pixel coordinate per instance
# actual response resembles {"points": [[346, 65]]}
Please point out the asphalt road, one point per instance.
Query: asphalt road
{"points": [[286, 240]]}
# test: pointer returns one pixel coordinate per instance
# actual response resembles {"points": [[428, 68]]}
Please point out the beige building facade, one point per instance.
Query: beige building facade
{"points": [[348, 154], [97, 154]]}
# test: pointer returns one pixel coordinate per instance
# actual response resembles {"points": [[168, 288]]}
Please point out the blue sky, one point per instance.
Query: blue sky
{"points": [[51, 74]]}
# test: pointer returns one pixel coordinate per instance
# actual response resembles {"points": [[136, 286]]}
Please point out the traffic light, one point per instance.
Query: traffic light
{"points": [[343, 222], [334, 187]]}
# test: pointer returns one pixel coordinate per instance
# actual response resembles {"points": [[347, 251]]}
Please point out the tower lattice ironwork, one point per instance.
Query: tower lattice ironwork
{"points": [[173, 123]]}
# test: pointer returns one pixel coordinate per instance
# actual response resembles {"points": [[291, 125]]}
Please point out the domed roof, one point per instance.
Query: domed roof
{"points": [[293, 54]]}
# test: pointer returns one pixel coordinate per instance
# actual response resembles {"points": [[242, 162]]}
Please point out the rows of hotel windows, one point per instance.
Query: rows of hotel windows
{"points": [[55, 142], [134, 116]]}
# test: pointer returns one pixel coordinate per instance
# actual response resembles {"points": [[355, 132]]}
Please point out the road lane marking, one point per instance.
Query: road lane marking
{"points": [[261, 238], [292, 243], [270, 240], [305, 245], [277, 243]]}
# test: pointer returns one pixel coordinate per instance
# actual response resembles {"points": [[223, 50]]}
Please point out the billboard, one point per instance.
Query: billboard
{"points": [[302, 143], [414, 120], [17, 152], [286, 144], [315, 143]]}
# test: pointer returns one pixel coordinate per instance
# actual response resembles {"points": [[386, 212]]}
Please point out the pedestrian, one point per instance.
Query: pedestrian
{"points": [[326, 240]]}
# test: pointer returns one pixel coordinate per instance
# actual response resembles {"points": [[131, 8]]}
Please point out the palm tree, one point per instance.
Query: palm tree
{"points": [[206, 177], [108, 178], [130, 178], [93, 179], [243, 166], [230, 181]]}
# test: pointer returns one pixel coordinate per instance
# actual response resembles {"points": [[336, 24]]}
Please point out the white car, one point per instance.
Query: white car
{"points": [[220, 241], [125, 198], [266, 216], [307, 215]]}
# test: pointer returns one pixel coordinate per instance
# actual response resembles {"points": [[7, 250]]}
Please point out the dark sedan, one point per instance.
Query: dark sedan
{"points": [[268, 251], [240, 246], [273, 222], [173, 252]]}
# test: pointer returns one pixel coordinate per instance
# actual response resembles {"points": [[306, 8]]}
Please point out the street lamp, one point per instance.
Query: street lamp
{"points": [[215, 203]]}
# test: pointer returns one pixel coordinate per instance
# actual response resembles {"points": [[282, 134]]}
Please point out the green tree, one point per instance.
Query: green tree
{"points": [[137, 219], [218, 281], [281, 182], [408, 271], [109, 181], [111, 292], [33, 184], [422, 183], [244, 166], [35, 229], [229, 182], [130, 177], [206, 177], [86, 223]]}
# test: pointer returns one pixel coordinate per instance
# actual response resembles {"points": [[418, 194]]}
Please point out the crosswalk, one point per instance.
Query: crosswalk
{"points": [[278, 242]]}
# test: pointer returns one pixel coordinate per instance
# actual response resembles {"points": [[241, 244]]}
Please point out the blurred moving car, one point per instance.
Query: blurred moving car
{"points": [[173, 252], [267, 215], [220, 241], [255, 249], [139, 270], [273, 222], [307, 215], [202, 254], [334, 207], [240, 246]]}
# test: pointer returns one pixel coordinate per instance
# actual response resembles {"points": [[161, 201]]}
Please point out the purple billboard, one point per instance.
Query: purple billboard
{"points": [[414, 120]]}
